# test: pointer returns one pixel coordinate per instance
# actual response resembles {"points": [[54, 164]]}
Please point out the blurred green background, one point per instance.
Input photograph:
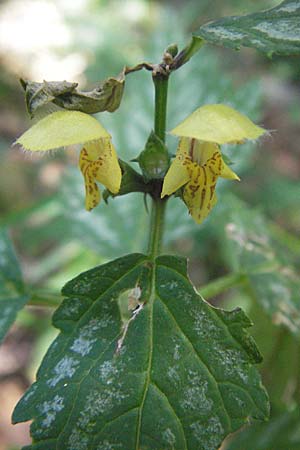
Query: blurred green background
{"points": [[42, 198]]}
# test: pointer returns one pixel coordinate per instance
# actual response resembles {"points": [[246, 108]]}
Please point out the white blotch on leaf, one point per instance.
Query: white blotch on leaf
{"points": [[232, 362], [108, 370], [65, 368], [71, 307], [176, 354], [209, 434], [82, 345], [292, 7], [50, 409], [203, 324], [84, 342], [173, 375], [106, 445], [169, 437], [195, 394], [78, 440], [101, 402], [286, 29], [172, 285], [224, 33]]}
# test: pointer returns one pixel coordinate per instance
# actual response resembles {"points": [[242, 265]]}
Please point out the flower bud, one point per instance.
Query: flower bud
{"points": [[154, 159]]}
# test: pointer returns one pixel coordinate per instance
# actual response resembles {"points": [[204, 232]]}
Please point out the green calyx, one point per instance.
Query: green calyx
{"points": [[154, 160]]}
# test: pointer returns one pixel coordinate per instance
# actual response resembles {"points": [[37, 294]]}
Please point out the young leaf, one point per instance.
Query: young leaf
{"points": [[186, 54], [178, 374], [12, 293], [273, 31]]}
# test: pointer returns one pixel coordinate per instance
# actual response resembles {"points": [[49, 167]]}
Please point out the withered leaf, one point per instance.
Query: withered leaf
{"points": [[106, 97]]}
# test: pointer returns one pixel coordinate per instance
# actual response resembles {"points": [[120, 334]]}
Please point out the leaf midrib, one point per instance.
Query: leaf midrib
{"points": [[148, 372]]}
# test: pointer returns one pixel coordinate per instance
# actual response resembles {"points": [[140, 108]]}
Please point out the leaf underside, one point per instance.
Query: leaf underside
{"points": [[183, 377], [273, 31], [12, 294]]}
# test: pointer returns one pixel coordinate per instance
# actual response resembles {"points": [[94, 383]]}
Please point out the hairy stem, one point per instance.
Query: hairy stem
{"points": [[158, 205]]}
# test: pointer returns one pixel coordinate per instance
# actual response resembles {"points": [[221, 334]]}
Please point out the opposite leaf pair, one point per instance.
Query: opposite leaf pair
{"points": [[196, 167]]}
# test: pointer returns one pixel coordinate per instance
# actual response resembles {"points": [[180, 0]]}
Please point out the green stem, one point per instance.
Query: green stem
{"points": [[161, 96], [156, 227], [158, 205], [222, 284]]}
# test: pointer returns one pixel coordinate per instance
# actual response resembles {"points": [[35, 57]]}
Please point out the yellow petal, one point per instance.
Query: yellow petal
{"points": [[106, 168], [201, 151], [228, 173], [99, 162], [199, 194], [178, 173], [60, 129], [218, 123], [92, 192]]}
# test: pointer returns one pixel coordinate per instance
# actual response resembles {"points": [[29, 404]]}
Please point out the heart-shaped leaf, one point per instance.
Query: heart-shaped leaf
{"points": [[167, 371]]}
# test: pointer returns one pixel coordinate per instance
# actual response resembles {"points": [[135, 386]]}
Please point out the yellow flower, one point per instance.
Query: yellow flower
{"points": [[98, 159], [198, 162]]}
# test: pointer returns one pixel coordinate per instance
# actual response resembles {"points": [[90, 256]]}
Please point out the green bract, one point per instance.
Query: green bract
{"points": [[154, 159]]}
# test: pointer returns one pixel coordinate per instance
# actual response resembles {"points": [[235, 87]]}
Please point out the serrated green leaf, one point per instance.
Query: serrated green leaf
{"points": [[250, 249], [273, 31], [178, 375], [12, 292]]}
